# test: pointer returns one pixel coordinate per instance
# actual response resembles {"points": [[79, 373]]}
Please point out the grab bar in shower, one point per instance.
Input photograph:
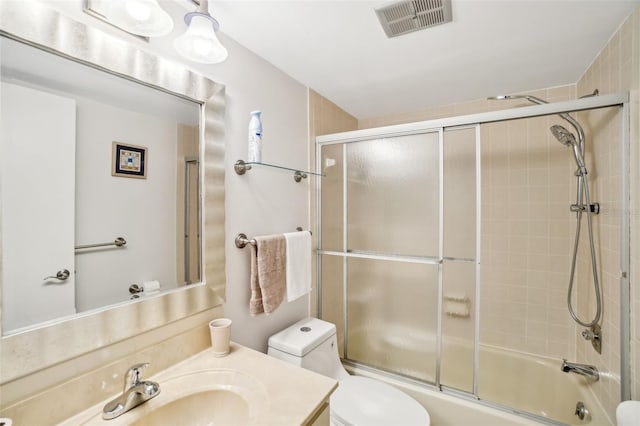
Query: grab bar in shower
{"points": [[242, 240], [118, 242]]}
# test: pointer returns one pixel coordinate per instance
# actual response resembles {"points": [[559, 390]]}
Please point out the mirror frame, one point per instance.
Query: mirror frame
{"points": [[56, 341]]}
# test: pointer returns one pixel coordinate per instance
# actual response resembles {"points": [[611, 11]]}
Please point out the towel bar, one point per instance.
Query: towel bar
{"points": [[118, 242], [242, 240]]}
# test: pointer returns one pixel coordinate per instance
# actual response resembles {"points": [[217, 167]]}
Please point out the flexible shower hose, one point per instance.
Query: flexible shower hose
{"points": [[582, 176]]}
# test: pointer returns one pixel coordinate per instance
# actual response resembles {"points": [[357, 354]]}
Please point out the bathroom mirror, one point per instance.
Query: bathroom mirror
{"points": [[136, 152], [117, 165]]}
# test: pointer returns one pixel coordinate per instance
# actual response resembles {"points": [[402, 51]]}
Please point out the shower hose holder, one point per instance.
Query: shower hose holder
{"points": [[593, 208]]}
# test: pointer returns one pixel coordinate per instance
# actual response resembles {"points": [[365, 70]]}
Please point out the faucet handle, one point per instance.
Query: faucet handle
{"points": [[133, 375]]}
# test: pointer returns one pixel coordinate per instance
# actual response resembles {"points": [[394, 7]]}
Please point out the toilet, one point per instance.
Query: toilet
{"points": [[628, 413], [312, 344]]}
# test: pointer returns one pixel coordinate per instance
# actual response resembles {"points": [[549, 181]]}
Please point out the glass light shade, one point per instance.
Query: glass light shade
{"points": [[199, 43], [142, 17]]}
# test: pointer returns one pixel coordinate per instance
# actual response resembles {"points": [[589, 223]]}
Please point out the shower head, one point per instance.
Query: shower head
{"points": [[567, 138], [564, 136]]}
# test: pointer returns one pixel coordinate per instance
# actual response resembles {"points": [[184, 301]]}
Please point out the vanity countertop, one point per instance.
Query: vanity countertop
{"points": [[289, 395]]}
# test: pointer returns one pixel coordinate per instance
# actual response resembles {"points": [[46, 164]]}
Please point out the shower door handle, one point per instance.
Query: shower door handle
{"points": [[61, 275]]}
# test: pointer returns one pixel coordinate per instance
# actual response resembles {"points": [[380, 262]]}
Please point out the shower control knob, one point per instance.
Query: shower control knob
{"points": [[594, 335]]}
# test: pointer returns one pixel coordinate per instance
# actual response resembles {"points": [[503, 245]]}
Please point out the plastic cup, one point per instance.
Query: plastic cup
{"points": [[220, 330]]}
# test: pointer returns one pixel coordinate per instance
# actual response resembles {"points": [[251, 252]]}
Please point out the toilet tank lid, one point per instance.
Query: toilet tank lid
{"points": [[303, 336]]}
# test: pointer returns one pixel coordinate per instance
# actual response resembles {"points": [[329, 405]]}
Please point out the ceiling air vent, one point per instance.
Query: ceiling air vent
{"points": [[408, 16]]}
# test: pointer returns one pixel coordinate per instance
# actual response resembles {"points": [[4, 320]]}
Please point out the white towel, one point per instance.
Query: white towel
{"points": [[298, 264]]}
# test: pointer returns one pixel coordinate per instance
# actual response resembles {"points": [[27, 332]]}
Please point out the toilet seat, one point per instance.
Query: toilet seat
{"points": [[362, 401]]}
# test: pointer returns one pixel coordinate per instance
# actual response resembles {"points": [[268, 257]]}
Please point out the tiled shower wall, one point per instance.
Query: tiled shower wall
{"points": [[527, 233], [616, 69]]}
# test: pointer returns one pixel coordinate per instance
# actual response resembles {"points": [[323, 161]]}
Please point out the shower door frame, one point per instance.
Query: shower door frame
{"points": [[621, 100]]}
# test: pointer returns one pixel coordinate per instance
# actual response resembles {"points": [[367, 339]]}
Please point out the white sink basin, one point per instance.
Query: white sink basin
{"points": [[203, 408], [227, 397]]}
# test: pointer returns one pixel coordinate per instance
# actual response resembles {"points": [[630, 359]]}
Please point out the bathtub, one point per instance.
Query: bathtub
{"points": [[506, 380], [536, 385]]}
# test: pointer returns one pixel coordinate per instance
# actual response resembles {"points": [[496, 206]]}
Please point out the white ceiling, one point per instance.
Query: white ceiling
{"points": [[339, 49]]}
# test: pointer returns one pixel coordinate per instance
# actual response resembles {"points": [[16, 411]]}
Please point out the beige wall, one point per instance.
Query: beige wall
{"points": [[615, 69], [527, 231], [325, 118]]}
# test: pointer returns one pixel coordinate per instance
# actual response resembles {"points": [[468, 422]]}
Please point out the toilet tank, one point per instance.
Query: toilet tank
{"points": [[311, 344]]}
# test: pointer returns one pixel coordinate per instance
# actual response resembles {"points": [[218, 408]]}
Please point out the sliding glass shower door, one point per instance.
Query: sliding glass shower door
{"points": [[461, 258], [399, 253], [388, 259]]}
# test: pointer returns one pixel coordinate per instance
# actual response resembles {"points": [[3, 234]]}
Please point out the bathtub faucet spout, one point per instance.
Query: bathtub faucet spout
{"points": [[583, 369]]}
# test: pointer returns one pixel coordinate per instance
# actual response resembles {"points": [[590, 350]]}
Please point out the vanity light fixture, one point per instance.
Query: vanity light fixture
{"points": [[199, 43], [142, 17]]}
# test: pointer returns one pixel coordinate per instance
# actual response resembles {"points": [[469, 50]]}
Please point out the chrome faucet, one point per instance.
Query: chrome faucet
{"points": [[583, 369], [135, 392]]}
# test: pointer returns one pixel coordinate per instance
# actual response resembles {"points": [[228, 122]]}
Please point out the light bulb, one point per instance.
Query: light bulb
{"points": [[141, 17], [202, 46], [138, 10], [199, 43]]}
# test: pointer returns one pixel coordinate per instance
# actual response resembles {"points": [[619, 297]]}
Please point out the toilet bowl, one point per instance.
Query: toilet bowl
{"points": [[312, 344]]}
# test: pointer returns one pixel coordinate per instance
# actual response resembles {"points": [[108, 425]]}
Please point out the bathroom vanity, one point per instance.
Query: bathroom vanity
{"points": [[245, 387]]}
